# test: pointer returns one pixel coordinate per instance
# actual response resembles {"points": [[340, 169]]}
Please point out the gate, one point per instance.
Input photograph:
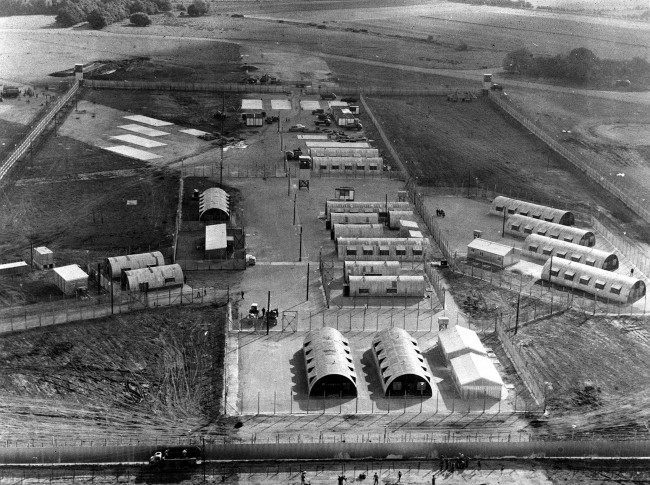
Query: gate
{"points": [[290, 321]]}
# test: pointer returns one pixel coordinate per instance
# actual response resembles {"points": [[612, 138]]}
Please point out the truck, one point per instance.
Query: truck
{"points": [[176, 457]]}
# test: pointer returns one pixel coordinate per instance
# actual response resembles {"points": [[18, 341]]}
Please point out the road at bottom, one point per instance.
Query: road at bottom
{"points": [[504, 472]]}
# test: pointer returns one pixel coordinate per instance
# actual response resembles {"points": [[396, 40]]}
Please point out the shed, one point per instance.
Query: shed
{"points": [[491, 252], [357, 230], [370, 268], [354, 218], [155, 278], [459, 340], [536, 211], [342, 116], [403, 370], [214, 205], [216, 241], [381, 248], [114, 265], [406, 225], [43, 258], [389, 285], [542, 248], [15, 268], [476, 376], [253, 119], [367, 165], [336, 144], [70, 279], [522, 226], [397, 215], [329, 365], [363, 206], [344, 152], [598, 282]]}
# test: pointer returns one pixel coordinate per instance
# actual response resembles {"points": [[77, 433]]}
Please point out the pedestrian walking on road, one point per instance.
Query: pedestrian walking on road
{"points": [[433, 480], [399, 476], [342, 479], [375, 479], [242, 295], [303, 478], [478, 464]]}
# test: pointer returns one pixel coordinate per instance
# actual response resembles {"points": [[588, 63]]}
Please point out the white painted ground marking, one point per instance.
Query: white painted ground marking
{"points": [[280, 104], [132, 152], [251, 104], [138, 140], [143, 130], [148, 121], [193, 132]]}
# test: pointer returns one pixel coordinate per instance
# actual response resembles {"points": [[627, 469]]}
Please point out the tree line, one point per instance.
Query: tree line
{"points": [[580, 66]]}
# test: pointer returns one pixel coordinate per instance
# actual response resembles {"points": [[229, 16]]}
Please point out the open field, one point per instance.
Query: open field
{"points": [[144, 374]]}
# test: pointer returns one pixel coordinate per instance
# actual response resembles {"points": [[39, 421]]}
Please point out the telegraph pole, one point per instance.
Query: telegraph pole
{"points": [[268, 311], [300, 250]]}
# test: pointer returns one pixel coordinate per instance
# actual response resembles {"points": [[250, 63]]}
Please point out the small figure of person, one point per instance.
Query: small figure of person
{"points": [[263, 312], [342, 479], [631, 271], [399, 476], [375, 479], [478, 464], [433, 480], [242, 295], [303, 477]]}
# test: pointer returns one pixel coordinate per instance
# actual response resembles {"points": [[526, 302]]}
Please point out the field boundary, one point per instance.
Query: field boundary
{"points": [[577, 161]]}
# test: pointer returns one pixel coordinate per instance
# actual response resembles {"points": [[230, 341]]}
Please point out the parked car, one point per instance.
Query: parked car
{"points": [[318, 111], [328, 96], [496, 87], [298, 128], [272, 119]]}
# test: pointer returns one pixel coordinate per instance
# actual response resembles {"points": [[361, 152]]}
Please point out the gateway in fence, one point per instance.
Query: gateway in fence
{"points": [[154, 278], [476, 376], [396, 216], [15, 268], [403, 370], [598, 282], [357, 230], [457, 340], [491, 252], [381, 249], [354, 218], [370, 268], [70, 279], [542, 247], [114, 266], [329, 364], [43, 258], [391, 285], [522, 226], [214, 205], [347, 164], [549, 214]]}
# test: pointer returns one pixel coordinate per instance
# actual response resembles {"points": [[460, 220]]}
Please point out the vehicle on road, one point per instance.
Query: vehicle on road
{"points": [[176, 457], [297, 128]]}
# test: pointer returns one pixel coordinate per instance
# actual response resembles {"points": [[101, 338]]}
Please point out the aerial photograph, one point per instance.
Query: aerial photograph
{"points": [[296, 242]]}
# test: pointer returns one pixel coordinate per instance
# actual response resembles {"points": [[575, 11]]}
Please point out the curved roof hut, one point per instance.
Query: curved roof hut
{"points": [[403, 370], [528, 209], [328, 360], [598, 282], [114, 265], [543, 247], [214, 205], [522, 226], [155, 278]]}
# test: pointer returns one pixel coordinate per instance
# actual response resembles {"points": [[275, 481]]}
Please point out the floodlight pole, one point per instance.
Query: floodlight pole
{"points": [[221, 167], [517, 314], [268, 311], [300, 250], [503, 224], [294, 207], [307, 282]]}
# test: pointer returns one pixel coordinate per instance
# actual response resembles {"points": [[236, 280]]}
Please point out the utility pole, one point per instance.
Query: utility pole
{"points": [[517, 314], [294, 207], [268, 311], [307, 299], [300, 250], [221, 166], [503, 225], [469, 182], [111, 277]]}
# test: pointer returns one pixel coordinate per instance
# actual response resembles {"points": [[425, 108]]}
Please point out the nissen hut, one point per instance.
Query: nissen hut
{"points": [[522, 226], [549, 214], [329, 364], [542, 248], [151, 279]]}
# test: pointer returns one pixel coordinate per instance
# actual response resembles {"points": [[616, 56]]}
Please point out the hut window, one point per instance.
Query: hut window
{"points": [[391, 290], [397, 386], [548, 219], [348, 166], [515, 227], [424, 368], [560, 254], [584, 280], [575, 257], [373, 166], [547, 251], [307, 352], [364, 291], [400, 250], [309, 369], [361, 166], [511, 211], [536, 216], [323, 167], [351, 369], [590, 262], [499, 208], [554, 235], [523, 213], [616, 289], [335, 166], [417, 251], [170, 280], [528, 229], [351, 251], [568, 238], [368, 250], [383, 369], [569, 275], [384, 250], [541, 232], [533, 248], [600, 285], [555, 272]]}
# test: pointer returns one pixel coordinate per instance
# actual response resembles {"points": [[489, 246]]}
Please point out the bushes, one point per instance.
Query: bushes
{"points": [[198, 8], [100, 13], [97, 19], [140, 19]]}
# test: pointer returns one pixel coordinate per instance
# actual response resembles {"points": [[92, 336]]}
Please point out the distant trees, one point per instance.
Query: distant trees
{"points": [[140, 19], [580, 65], [198, 8], [100, 13], [26, 7]]}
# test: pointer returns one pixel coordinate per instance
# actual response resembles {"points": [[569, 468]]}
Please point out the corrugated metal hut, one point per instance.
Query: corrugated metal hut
{"points": [[336, 144], [344, 152], [542, 248], [599, 282], [459, 340], [151, 279], [70, 279], [491, 252], [381, 249], [15, 268], [114, 265], [363, 206], [403, 370], [348, 164], [43, 258], [329, 364], [370, 268], [528, 209], [214, 205], [357, 230], [476, 376], [354, 218], [522, 226], [395, 216], [405, 226], [391, 285]]}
